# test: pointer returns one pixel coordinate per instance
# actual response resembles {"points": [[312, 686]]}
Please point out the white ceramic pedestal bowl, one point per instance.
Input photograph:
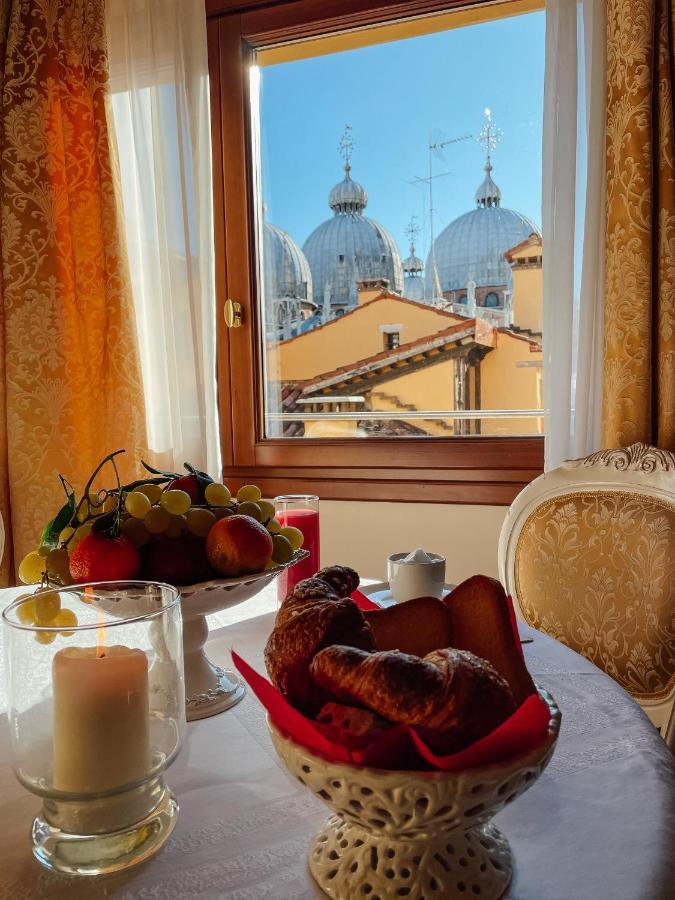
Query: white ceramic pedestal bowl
{"points": [[208, 688], [420, 835]]}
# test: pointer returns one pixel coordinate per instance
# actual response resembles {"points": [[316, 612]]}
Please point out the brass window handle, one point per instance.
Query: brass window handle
{"points": [[233, 314]]}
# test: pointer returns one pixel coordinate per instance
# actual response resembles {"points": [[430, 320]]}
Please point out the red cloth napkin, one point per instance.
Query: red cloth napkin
{"points": [[400, 747]]}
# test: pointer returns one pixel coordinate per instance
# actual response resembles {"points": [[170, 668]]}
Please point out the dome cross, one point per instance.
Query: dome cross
{"points": [[346, 146]]}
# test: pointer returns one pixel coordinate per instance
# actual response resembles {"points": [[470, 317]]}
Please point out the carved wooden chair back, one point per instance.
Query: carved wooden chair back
{"points": [[587, 551]]}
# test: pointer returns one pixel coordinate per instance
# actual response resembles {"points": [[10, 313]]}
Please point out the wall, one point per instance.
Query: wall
{"points": [[353, 337], [362, 535]]}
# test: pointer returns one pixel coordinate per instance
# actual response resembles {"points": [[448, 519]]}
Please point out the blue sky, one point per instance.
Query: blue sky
{"points": [[395, 96]]}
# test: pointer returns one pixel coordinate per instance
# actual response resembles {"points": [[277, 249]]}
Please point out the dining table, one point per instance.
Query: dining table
{"points": [[599, 824]]}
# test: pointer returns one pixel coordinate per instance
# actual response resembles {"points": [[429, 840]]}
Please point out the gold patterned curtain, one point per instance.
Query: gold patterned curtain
{"points": [[70, 385], [639, 401]]}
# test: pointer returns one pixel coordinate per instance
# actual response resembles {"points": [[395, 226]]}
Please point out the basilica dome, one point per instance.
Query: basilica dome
{"points": [[349, 248], [472, 247], [287, 283]]}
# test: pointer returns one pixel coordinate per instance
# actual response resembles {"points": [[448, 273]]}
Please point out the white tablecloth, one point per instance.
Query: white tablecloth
{"points": [[598, 825]]}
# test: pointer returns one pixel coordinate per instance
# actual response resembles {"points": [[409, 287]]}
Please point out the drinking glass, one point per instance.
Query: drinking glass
{"points": [[96, 709], [301, 511]]}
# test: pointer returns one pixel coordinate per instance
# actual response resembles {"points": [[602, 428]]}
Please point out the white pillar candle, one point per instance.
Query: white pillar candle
{"points": [[101, 718]]}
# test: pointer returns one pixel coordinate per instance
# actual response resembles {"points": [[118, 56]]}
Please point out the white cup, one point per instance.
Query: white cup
{"points": [[412, 578]]}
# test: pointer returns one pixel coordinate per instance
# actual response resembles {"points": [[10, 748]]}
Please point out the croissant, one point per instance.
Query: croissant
{"points": [[451, 696], [311, 617]]}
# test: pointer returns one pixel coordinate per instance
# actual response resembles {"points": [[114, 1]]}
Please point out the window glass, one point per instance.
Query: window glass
{"points": [[389, 192]]}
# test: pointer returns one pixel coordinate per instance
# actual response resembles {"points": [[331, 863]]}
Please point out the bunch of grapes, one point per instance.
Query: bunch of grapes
{"points": [[119, 523], [150, 510]]}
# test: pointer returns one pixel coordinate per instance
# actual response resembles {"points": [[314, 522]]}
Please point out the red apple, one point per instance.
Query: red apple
{"points": [[238, 545], [189, 484]]}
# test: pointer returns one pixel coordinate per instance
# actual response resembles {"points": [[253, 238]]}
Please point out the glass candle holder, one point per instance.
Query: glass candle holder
{"points": [[96, 709], [301, 511]]}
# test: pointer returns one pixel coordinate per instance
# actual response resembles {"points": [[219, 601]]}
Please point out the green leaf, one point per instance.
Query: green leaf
{"points": [[203, 480], [108, 524], [50, 535], [154, 471]]}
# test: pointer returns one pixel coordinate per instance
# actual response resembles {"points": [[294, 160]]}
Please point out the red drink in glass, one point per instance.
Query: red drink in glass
{"points": [[301, 512]]}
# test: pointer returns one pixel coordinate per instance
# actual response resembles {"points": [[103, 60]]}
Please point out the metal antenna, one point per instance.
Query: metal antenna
{"points": [[436, 145]]}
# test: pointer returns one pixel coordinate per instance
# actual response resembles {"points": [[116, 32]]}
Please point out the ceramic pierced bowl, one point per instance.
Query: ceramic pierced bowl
{"points": [[209, 689], [421, 835]]}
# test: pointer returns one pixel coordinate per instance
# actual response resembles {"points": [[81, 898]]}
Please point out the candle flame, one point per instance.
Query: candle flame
{"points": [[100, 626]]}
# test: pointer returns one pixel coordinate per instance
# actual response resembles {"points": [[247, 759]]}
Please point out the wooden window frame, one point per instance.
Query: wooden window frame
{"points": [[475, 470]]}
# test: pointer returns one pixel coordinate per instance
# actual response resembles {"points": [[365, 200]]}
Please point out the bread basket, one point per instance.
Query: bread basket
{"points": [[421, 835]]}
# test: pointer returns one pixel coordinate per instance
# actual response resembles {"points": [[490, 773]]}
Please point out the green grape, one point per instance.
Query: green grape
{"points": [[157, 520], [266, 510], [43, 550], [95, 505], [175, 502], [83, 511], [80, 533], [249, 492], [110, 503], [58, 563], [25, 613], [136, 531], [249, 508], [217, 494], [32, 568], [66, 534], [273, 526], [176, 527], [47, 606], [45, 637], [137, 505], [294, 536], [152, 491], [282, 551], [222, 512], [200, 521], [66, 617]]}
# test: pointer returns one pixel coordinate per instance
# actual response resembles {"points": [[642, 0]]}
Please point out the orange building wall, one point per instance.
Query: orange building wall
{"points": [[355, 336], [505, 385]]}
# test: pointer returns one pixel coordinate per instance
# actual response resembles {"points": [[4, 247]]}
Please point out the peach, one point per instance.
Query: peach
{"points": [[238, 545]]}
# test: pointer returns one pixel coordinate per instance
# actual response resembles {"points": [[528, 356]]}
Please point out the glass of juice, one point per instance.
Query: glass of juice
{"points": [[301, 511]]}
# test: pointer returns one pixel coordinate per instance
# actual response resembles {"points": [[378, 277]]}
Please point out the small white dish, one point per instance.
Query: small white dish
{"points": [[381, 594]]}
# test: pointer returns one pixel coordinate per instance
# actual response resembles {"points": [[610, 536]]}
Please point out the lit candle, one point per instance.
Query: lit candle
{"points": [[101, 718]]}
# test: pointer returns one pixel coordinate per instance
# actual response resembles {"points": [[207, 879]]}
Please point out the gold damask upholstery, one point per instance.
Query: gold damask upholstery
{"points": [[595, 569]]}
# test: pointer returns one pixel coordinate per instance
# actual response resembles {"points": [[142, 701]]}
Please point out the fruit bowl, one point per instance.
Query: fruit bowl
{"points": [[209, 689], [414, 834]]}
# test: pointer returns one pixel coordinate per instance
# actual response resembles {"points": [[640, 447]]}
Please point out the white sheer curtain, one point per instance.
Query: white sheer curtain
{"points": [[573, 226], [159, 78]]}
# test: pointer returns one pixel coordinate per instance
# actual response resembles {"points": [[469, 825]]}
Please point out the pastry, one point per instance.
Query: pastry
{"points": [[342, 579], [451, 696], [481, 623], [304, 625], [416, 626], [350, 724]]}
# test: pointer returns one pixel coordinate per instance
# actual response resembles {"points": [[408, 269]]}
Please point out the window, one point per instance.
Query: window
{"points": [[491, 299], [351, 258]]}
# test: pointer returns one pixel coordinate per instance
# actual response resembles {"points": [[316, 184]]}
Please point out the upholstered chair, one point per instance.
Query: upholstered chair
{"points": [[588, 553]]}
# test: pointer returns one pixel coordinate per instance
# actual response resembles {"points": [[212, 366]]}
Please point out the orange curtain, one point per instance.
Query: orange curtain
{"points": [[70, 384], [639, 371]]}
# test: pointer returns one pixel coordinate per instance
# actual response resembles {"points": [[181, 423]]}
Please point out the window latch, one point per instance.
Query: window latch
{"points": [[233, 314]]}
